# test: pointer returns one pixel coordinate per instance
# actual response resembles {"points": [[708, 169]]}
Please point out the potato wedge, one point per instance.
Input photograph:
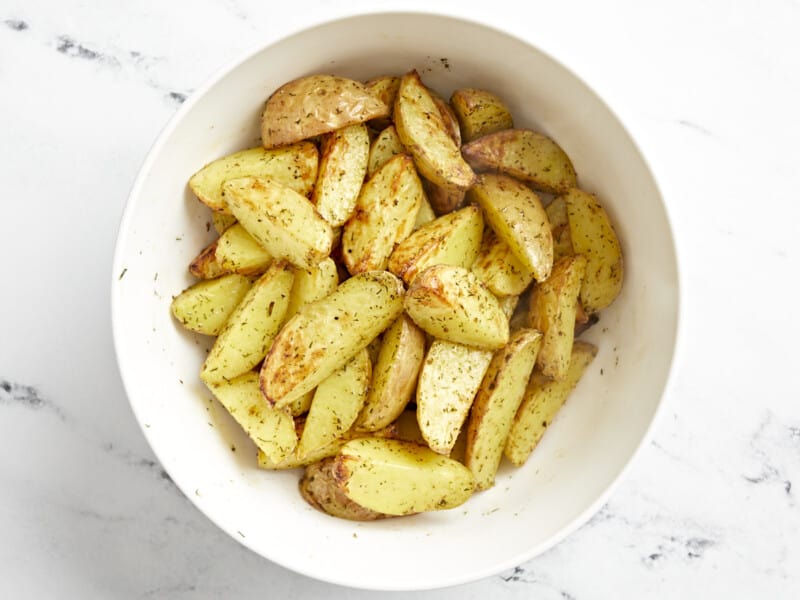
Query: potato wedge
{"points": [[499, 269], [314, 105], [496, 404], [319, 488], [394, 376], [400, 478], [552, 311], [593, 236], [452, 239], [249, 331], [281, 220], [294, 461], [408, 428], [207, 305], [299, 406], [272, 430], [424, 134], [326, 334], [425, 214], [336, 404], [449, 379], [479, 113], [384, 87], [385, 145], [508, 304], [222, 221], [543, 398], [294, 166], [559, 226], [516, 215], [451, 304], [206, 264], [385, 215], [312, 285], [342, 168], [448, 118], [238, 252], [524, 154]]}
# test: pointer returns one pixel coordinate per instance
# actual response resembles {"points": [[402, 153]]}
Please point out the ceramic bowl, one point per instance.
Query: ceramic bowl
{"points": [[590, 443]]}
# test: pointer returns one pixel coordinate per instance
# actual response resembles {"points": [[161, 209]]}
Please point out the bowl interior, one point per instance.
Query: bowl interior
{"points": [[591, 441]]}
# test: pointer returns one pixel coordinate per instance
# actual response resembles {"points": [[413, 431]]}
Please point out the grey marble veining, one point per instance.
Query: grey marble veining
{"points": [[708, 509]]}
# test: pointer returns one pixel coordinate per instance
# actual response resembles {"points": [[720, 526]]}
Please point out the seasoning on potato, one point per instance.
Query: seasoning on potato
{"points": [[386, 319]]}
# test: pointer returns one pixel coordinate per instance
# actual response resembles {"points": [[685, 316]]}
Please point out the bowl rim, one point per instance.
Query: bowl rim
{"points": [[307, 25]]}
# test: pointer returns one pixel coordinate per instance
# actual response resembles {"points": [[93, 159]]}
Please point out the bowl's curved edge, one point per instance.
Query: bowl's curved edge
{"points": [[581, 518]]}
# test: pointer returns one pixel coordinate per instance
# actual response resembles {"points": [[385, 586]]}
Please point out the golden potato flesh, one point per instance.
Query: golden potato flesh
{"points": [[479, 113]]}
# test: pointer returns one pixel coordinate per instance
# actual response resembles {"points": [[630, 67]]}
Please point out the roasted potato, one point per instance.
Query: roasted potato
{"points": [[394, 376], [342, 168], [336, 404], [281, 220], [424, 134], [593, 236], [452, 239], [448, 118], [222, 221], [238, 252], [425, 214], [207, 305], [552, 310], [451, 304], [524, 154], [543, 398], [496, 404], [385, 215], [248, 332], [559, 225], [444, 199], [516, 215], [312, 285], [294, 166], [272, 430], [385, 145], [400, 478], [326, 334], [314, 105], [206, 265], [294, 461], [450, 377], [499, 269], [320, 489], [479, 113], [384, 87]]}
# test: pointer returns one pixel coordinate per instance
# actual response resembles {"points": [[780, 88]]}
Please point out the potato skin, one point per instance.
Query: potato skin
{"points": [[526, 155], [314, 105], [319, 488]]}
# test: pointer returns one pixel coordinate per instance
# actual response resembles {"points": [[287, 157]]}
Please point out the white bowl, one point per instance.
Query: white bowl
{"points": [[593, 439]]}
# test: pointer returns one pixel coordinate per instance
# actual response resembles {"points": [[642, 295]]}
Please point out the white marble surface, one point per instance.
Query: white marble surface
{"points": [[710, 90]]}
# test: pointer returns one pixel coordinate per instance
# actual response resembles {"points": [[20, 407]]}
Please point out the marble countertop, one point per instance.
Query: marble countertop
{"points": [[709, 89]]}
